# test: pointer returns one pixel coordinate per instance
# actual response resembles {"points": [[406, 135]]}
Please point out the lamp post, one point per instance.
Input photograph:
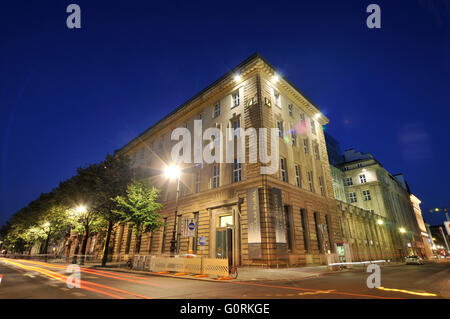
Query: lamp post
{"points": [[170, 172]]}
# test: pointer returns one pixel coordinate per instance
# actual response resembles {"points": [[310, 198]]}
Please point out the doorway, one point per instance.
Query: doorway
{"points": [[224, 238]]}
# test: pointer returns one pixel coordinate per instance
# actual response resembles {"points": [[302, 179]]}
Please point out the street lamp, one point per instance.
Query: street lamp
{"points": [[173, 171], [80, 209], [402, 230], [380, 222]]}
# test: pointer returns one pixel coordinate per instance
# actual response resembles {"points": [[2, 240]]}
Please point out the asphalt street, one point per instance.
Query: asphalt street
{"points": [[23, 279]]}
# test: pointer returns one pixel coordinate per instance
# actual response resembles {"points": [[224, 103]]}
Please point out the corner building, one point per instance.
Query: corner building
{"points": [[289, 218]]}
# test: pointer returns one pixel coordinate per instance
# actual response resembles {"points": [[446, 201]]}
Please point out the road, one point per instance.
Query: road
{"points": [[32, 279]]}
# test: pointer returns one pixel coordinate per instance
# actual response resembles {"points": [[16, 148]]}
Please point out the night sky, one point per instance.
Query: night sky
{"points": [[69, 96]]}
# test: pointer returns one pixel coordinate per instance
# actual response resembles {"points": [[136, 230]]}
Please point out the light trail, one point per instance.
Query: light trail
{"points": [[426, 294], [314, 290], [83, 283]]}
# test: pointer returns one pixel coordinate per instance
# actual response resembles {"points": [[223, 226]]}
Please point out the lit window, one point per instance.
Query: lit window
{"points": [[366, 195], [216, 176], [310, 181], [298, 176], [236, 99], [352, 197], [217, 109], [362, 178], [237, 171], [225, 221], [283, 170]]}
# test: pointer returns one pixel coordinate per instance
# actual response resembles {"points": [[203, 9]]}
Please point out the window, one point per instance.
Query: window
{"points": [[283, 170], [226, 220], [304, 218], [316, 152], [216, 176], [267, 102], [359, 165], [277, 98], [322, 189], [237, 171], [348, 181], [318, 234], [287, 221], [298, 176], [164, 235], [236, 126], [362, 178], [200, 116], [195, 241], [280, 128], [352, 197], [310, 181], [197, 181], [306, 146], [236, 99], [290, 110], [302, 116], [366, 195], [328, 222], [217, 109], [313, 126], [294, 137]]}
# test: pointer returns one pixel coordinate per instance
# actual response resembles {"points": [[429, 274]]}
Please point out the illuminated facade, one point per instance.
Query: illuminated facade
{"points": [[282, 219]]}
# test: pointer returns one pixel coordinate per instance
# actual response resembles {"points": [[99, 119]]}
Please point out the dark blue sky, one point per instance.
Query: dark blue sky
{"points": [[67, 97]]}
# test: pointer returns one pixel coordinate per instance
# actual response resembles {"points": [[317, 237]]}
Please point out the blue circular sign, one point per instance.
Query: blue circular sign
{"points": [[191, 226], [202, 241]]}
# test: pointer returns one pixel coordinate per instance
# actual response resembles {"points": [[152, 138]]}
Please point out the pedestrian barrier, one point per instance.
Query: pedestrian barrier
{"points": [[192, 265]]}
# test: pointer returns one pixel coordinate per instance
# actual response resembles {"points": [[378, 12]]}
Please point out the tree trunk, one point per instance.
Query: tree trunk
{"points": [[106, 248], [83, 246], [46, 246]]}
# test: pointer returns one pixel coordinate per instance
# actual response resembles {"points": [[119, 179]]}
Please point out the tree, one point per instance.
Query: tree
{"points": [[140, 208], [113, 176]]}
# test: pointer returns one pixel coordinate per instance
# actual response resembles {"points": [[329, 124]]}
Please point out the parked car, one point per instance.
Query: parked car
{"points": [[413, 260]]}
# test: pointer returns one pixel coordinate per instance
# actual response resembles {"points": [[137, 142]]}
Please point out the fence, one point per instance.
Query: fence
{"points": [[195, 265]]}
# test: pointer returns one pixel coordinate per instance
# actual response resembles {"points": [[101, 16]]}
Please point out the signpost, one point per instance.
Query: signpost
{"points": [[189, 227]]}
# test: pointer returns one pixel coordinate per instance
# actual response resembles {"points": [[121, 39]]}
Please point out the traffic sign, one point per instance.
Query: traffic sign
{"points": [[447, 227], [189, 227]]}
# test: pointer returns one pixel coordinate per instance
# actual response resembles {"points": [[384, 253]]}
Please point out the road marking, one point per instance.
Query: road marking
{"points": [[427, 294]]}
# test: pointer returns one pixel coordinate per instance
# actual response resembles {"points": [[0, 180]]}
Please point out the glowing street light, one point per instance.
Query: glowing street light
{"points": [[402, 230], [380, 222], [80, 209], [237, 77], [172, 171]]}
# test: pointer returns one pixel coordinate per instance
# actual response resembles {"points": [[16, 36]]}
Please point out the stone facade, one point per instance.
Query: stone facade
{"points": [[297, 220]]}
